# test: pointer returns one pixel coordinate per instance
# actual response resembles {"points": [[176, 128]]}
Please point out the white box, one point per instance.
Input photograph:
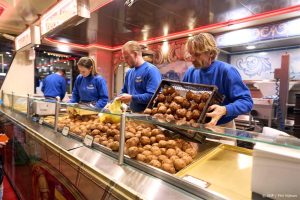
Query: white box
{"points": [[43, 108]]}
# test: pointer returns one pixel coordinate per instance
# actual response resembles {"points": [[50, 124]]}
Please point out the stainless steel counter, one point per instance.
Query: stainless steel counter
{"points": [[137, 182], [144, 185]]}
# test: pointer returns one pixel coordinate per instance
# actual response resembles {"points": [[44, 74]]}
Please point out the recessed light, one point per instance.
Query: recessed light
{"points": [[263, 53], [250, 47]]}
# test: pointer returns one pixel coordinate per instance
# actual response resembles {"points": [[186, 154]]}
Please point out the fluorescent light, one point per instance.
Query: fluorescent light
{"points": [[7, 52], [263, 53], [250, 47]]}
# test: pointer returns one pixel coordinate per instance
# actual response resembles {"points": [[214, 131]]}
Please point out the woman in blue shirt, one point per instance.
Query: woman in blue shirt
{"points": [[89, 87]]}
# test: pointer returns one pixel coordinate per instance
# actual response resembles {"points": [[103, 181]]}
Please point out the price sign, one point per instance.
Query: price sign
{"points": [[41, 120], [65, 131], [196, 181], [88, 140]]}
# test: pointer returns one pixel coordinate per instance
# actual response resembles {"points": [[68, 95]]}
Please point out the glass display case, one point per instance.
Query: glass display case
{"points": [[201, 160], [207, 162]]}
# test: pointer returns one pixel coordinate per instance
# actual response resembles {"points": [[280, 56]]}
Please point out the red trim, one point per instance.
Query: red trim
{"points": [[186, 32], [101, 5]]}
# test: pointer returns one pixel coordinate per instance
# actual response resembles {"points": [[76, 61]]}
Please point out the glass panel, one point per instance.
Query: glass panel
{"points": [[220, 132], [7, 99], [20, 103]]}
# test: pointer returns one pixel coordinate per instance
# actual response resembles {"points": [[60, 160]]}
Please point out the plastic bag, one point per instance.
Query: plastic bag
{"points": [[115, 109]]}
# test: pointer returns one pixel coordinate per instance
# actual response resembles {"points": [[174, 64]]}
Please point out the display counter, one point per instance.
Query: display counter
{"points": [[166, 161]]}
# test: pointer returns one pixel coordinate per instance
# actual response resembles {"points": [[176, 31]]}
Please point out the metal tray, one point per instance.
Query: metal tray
{"points": [[226, 170], [183, 88]]}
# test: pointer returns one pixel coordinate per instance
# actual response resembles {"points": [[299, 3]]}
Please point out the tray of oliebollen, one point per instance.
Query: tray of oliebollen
{"points": [[183, 104]]}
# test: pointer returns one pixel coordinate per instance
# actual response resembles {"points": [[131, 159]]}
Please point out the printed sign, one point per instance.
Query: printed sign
{"points": [[65, 131], [41, 120], [88, 140]]}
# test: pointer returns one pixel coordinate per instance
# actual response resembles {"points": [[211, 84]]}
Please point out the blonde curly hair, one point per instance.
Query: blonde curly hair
{"points": [[203, 42]]}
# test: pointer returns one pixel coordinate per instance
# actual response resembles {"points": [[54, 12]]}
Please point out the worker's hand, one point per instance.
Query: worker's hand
{"points": [[125, 98], [2, 144], [216, 114]]}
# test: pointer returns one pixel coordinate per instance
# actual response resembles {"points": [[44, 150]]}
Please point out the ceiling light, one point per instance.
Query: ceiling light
{"points": [[263, 53], [250, 47], [7, 52]]}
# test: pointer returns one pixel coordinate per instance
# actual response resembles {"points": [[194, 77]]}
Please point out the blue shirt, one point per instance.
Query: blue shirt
{"points": [[229, 82], [90, 89], [54, 85], [141, 82]]}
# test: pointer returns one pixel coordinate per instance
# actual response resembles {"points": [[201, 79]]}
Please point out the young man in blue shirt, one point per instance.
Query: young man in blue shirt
{"points": [[207, 70], [141, 80], [55, 85]]}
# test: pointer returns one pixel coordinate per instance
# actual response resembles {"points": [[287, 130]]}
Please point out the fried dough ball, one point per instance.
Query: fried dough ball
{"points": [[147, 147], [156, 151], [133, 152], [160, 137], [104, 143], [155, 144], [170, 152], [189, 95], [145, 140], [170, 90], [161, 98], [162, 157], [114, 146], [117, 137], [141, 157], [179, 99], [169, 99], [196, 114], [132, 142], [201, 106], [179, 164], [128, 135], [188, 115], [95, 132], [154, 111], [147, 152], [162, 143], [168, 168], [152, 139], [186, 104], [148, 111], [155, 132], [173, 158], [197, 98], [181, 112], [192, 152], [149, 158], [174, 106], [167, 160], [146, 132], [205, 96], [187, 159], [171, 144], [170, 118], [155, 163], [163, 150]]}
